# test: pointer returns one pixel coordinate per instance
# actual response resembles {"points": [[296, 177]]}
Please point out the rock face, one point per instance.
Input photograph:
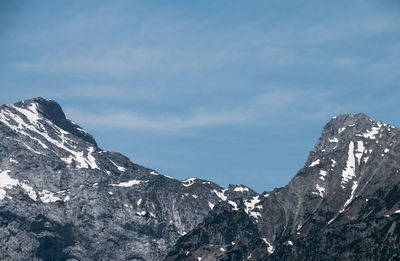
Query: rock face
{"points": [[64, 198], [343, 205]]}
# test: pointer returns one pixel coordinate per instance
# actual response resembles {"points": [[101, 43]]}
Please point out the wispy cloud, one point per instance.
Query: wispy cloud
{"points": [[166, 122], [122, 61], [268, 103], [107, 92]]}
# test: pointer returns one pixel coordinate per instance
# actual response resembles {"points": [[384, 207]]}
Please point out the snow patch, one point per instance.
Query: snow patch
{"points": [[31, 192], [314, 163], [221, 194], [353, 189], [81, 130], [36, 127], [359, 151], [235, 207], [32, 114], [371, 134], [241, 189], [129, 183], [211, 205], [91, 161], [13, 161], [141, 213], [48, 197], [322, 174], [320, 192], [6, 182], [334, 139], [270, 247], [82, 161], [188, 182], [122, 169], [251, 206], [349, 172], [333, 163]]}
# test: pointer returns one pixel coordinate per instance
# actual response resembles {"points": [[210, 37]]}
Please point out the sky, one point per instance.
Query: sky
{"points": [[236, 92]]}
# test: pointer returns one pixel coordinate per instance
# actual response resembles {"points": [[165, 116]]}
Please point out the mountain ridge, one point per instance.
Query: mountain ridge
{"points": [[66, 181], [342, 169], [67, 199]]}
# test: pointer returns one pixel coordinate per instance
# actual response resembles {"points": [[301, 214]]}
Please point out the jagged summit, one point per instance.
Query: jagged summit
{"points": [[52, 111], [341, 121], [345, 127], [62, 197], [342, 205], [351, 117]]}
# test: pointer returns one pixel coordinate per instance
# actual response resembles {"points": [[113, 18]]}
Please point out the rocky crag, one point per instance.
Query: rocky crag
{"points": [[343, 205], [64, 198]]}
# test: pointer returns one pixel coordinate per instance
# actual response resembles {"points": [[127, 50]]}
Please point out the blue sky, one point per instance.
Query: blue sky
{"points": [[230, 91]]}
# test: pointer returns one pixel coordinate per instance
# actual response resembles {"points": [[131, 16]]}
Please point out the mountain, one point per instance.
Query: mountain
{"points": [[343, 205], [64, 198]]}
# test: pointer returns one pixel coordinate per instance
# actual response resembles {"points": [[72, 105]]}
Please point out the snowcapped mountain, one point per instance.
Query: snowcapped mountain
{"points": [[343, 205], [64, 198]]}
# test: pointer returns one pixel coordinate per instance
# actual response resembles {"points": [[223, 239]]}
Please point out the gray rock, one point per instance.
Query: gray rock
{"points": [[343, 205], [64, 198]]}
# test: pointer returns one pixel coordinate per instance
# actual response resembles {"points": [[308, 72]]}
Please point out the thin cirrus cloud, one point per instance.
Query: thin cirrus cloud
{"points": [[271, 103], [125, 119], [114, 59], [118, 93], [120, 61]]}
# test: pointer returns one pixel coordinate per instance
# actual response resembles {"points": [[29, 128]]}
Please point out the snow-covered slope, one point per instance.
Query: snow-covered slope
{"points": [[62, 197], [343, 205]]}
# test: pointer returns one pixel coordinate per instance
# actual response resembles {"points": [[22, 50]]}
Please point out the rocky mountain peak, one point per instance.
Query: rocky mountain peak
{"points": [[62, 197], [347, 119], [52, 111], [69, 199], [341, 122], [343, 128], [349, 183]]}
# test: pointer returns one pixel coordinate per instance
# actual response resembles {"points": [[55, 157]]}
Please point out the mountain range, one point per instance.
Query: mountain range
{"points": [[64, 198]]}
